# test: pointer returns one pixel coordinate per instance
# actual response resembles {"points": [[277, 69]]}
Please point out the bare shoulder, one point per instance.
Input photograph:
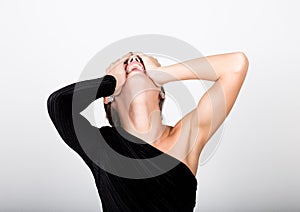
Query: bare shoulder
{"points": [[189, 139]]}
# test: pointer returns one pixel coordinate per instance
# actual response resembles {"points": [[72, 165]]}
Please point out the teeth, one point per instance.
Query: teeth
{"points": [[134, 67]]}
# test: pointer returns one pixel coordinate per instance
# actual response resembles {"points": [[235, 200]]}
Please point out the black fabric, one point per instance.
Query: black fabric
{"points": [[174, 190]]}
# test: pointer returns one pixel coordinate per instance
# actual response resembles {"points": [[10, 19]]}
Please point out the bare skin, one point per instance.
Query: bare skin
{"points": [[138, 94]]}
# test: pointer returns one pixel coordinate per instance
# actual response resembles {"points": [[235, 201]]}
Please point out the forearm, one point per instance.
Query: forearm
{"points": [[64, 107], [66, 103], [81, 94], [205, 68]]}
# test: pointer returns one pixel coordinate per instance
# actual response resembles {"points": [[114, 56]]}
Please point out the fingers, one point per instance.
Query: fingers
{"points": [[127, 55], [124, 57], [118, 66]]}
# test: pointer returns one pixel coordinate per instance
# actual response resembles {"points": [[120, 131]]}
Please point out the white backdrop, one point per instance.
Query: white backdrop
{"points": [[45, 45]]}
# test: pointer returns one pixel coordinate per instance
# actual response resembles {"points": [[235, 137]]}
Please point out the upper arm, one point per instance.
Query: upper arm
{"points": [[215, 105], [60, 112], [64, 107], [75, 130]]}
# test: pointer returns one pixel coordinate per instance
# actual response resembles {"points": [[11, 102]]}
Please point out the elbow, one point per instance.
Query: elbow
{"points": [[242, 63], [51, 104], [54, 104]]}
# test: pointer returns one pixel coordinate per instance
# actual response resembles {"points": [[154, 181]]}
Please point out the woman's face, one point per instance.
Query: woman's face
{"points": [[138, 84], [140, 63], [149, 61], [139, 90], [134, 64]]}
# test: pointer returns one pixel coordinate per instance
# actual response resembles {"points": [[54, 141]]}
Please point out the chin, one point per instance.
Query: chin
{"points": [[132, 73]]}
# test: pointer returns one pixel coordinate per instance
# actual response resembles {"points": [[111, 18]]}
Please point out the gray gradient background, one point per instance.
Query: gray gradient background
{"points": [[46, 44]]}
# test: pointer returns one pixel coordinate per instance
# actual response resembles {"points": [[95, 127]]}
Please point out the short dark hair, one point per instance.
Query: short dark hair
{"points": [[112, 115]]}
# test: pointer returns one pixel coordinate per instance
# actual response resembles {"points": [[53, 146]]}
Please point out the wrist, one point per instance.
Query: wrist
{"points": [[162, 75]]}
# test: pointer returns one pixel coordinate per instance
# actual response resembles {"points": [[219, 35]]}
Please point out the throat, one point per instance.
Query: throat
{"points": [[141, 120], [144, 124]]}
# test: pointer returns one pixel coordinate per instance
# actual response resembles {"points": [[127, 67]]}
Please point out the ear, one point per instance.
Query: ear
{"points": [[109, 99], [106, 100]]}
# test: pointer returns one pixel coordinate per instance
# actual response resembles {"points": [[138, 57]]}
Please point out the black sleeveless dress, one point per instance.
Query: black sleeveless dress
{"points": [[130, 174]]}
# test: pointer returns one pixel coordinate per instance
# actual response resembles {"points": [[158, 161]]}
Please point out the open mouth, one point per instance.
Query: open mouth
{"points": [[134, 65]]}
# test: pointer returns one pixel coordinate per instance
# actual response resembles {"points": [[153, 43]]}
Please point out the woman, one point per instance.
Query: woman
{"points": [[133, 98]]}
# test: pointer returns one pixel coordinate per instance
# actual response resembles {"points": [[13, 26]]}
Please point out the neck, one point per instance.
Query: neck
{"points": [[138, 108], [143, 121]]}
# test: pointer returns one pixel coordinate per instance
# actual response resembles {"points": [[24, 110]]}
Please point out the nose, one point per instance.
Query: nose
{"points": [[134, 58]]}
